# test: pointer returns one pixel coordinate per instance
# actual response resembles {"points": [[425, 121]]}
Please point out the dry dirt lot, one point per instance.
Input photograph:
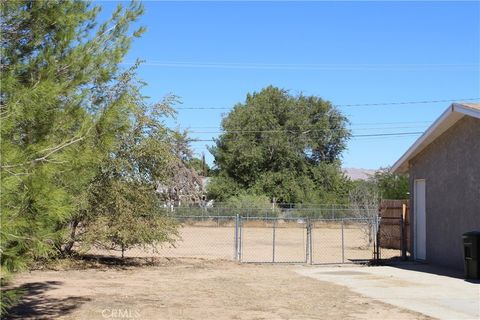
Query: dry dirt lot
{"points": [[193, 289], [212, 242]]}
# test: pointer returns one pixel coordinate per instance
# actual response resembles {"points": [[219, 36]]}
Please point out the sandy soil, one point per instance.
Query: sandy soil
{"points": [[213, 242], [193, 289]]}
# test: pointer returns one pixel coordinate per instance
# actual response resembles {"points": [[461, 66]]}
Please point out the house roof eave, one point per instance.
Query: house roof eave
{"points": [[449, 117]]}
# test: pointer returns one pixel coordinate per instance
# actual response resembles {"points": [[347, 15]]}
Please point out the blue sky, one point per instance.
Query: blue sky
{"points": [[211, 54]]}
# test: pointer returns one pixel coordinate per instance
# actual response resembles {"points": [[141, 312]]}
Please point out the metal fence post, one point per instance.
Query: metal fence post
{"points": [[343, 245], [311, 242], [273, 241], [377, 236], [240, 238], [307, 244], [236, 248]]}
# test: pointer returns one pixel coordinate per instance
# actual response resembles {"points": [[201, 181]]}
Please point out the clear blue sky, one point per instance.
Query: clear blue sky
{"points": [[211, 54]]}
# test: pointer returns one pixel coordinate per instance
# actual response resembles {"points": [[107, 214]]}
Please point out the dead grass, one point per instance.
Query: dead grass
{"points": [[191, 289]]}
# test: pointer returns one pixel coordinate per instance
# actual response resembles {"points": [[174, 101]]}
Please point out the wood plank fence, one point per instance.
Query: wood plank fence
{"points": [[394, 213]]}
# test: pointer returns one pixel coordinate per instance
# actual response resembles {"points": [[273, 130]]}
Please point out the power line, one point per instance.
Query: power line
{"points": [[396, 134], [306, 67], [351, 127], [385, 123], [304, 131], [353, 136], [199, 145], [351, 105], [407, 102]]}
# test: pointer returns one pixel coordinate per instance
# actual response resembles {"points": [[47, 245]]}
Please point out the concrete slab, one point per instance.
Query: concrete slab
{"points": [[418, 288]]}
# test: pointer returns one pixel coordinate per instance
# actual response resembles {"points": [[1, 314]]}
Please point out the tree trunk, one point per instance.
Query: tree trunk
{"points": [[67, 248]]}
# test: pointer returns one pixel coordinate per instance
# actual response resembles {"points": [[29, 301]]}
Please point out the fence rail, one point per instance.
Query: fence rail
{"points": [[281, 211], [254, 239]]}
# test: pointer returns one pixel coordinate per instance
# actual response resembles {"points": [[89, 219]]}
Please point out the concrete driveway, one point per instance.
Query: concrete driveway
{"points": [[434, 292]]}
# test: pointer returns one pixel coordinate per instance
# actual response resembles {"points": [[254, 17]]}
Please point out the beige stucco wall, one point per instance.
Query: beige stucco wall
{"points": [[451, 167]]}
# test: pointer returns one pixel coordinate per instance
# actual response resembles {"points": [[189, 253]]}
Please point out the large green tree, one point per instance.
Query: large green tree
{"points": [[76, 134], [61, 100], [283, 146]]}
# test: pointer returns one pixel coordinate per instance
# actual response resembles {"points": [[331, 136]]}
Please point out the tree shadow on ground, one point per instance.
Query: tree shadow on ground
{"points": [[116, 262], [84, 262], [35, 304]]}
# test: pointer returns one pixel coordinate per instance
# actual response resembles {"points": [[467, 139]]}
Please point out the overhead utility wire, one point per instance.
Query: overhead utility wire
{"points": [[305, 130], [349, 105], [202, 144], [307, 67], [353, 136], [351, 127]]}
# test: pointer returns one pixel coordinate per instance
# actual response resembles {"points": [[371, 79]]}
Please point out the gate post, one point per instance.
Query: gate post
{"points": [[343, 245], [236, 248], [311, 241], [378, 236], [308, 243], [240, 237], [273, 240]]}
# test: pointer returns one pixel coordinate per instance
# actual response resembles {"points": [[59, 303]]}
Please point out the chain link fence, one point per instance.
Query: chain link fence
{"points": [[284, 210], [250, 239], [272, 240]]}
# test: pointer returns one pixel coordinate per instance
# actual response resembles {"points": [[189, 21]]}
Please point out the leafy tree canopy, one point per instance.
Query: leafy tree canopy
{"points": [[82, 152], [62, 104], [391, 185], [283, 146], [200, 166]]}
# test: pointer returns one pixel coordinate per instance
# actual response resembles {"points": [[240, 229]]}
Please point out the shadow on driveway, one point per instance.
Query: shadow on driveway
{"points": [[427, 268]]}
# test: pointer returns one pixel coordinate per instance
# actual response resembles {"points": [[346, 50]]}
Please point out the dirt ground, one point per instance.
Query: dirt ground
{"points": [[213, 242], [193, 289]]}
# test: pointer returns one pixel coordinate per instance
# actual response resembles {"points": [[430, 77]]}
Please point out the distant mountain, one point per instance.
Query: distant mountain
{"points": [[358, 173]]}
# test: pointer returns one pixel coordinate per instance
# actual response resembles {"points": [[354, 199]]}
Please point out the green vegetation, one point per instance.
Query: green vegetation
{"points": [[384, 184], [87, 161], [391, 185], [82, 152], [200, 167], [282, 146]]}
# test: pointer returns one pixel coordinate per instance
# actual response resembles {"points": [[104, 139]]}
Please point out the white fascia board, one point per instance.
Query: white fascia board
{"points": [[445, 121], [466, 110]]}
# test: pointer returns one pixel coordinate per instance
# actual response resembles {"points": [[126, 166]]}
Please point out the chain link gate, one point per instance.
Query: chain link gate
{"points": [[305, 240], [271, 240], [282, 240]]}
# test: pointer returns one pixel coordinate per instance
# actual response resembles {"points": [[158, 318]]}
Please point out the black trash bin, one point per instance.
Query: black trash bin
{"points": [[471, 254]]}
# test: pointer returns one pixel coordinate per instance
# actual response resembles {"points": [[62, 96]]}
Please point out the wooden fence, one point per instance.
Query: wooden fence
{"points": [[394, 213]]}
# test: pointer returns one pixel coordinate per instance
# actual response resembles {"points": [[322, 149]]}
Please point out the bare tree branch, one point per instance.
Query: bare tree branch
{"points": [[45, 157]]}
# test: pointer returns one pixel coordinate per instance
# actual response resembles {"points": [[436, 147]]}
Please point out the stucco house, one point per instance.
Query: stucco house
{"points": [[444, 169]]}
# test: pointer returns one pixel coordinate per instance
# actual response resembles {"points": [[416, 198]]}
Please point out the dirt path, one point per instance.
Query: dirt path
{"points": [[193, 289]]}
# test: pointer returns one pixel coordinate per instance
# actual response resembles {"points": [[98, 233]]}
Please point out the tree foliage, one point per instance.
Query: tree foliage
{"points": [[391, 185], [60, 107], [200, 166], [282, 146], [82, 152]]}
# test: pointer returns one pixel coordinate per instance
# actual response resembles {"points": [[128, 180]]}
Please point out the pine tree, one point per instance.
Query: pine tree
{"points": [[62, 100]]}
